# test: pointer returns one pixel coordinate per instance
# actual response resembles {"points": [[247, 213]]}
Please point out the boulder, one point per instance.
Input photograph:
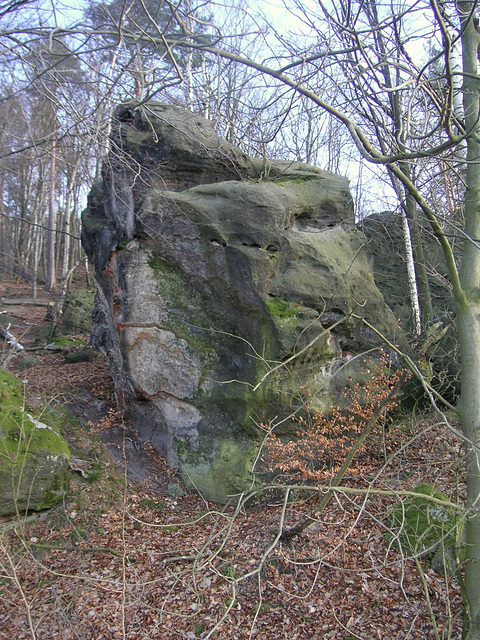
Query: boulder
{"points": [[77, 312], [387, 250], [226, 285], [27, 362], [83, 355], [428, 524], [33, 454], [384, 234]]}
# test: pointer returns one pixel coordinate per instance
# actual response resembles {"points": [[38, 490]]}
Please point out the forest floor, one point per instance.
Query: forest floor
{"points": [[130, 554]]}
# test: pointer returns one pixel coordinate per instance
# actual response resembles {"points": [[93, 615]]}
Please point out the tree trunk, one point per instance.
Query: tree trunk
{"points": [[51, 262], [189, 62], [417, 273], [424, 296], [35, 255], [469, 337], [412, 279], [468, 314]]}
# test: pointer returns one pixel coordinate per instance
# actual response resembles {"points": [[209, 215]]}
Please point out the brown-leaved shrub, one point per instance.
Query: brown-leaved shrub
{"points": [[323, 440]]}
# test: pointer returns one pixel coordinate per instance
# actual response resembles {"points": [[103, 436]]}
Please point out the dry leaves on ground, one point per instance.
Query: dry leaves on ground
{"points": [[126, 560]]}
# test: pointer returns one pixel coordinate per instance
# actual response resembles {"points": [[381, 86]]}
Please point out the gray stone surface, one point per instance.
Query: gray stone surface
{"points": [[213, 268], [386, 247], [77, 312]]}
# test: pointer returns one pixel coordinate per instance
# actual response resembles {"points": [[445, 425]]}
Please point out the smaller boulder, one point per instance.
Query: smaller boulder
{"points": [[175, 490], [422, 526], [77, 312], [33, 455], [28, 362], [84, 355]]}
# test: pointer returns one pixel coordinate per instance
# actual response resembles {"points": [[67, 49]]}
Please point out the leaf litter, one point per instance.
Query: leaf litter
{"points": [[123, 559]]}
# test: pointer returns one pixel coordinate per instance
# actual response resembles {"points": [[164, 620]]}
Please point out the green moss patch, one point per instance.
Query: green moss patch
{"points": [[422, 526], [33, 453], [187, 318], [66, 342], [229, 473], [280, 308]]}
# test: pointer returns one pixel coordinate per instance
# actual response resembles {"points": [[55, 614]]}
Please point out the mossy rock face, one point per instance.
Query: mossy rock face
{"points": [[33, 454], [280, 308], [223, 472], [77, 312], [422, 526], [213, 270]]}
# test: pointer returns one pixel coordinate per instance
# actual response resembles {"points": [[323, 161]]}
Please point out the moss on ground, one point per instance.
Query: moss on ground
{"points": [[64, 342], [421, 526]]}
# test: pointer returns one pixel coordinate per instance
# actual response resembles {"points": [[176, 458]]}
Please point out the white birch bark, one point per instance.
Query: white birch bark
{"points": [[412, 279]]}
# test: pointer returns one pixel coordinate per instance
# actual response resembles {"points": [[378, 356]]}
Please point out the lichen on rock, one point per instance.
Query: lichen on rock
{"points": [[77, 312], [213, 268]]}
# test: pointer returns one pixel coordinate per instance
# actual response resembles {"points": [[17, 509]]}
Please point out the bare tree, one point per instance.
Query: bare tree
{"points": [[367, 69]]}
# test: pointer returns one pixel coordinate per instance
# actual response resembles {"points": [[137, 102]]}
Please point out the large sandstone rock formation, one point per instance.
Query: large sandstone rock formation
{"points": [[214, 268]]}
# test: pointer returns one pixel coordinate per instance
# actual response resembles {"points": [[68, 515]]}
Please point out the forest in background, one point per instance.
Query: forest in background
{"points": [[387, 93], [65, 69]]}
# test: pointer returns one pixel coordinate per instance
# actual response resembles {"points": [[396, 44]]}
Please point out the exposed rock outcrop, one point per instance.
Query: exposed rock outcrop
{"points": [[386, 244], [214, 268]]}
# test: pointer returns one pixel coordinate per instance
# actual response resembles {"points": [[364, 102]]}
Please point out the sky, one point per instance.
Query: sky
{"points": [[273, 16]]}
